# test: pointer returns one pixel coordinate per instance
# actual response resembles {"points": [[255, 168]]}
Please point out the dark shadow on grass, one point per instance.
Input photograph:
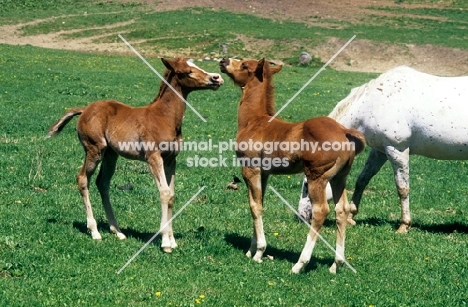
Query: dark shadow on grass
{"points": [[442, 228], [103, 227], [243, 243], [433, 228], [329, 222], [374, 221]]}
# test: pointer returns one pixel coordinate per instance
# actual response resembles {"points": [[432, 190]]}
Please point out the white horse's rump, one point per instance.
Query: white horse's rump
{"points": [[405, 112]]}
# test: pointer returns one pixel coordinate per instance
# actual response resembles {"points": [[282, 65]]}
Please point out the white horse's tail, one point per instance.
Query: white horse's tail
{"points": [[357, 138]]}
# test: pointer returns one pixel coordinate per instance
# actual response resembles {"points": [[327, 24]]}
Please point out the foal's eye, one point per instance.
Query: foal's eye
{"points": [[184, 74]]}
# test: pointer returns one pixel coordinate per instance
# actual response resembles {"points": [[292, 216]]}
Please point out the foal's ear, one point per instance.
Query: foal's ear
{"points": [[178, 65], [259, 69], [169, 64], [275, 69]]}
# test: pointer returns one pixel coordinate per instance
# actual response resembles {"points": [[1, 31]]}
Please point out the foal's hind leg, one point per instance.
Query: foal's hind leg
{"points": [[304, 207], [103, 183], [93, 157], [320, 210], [342, 209]]}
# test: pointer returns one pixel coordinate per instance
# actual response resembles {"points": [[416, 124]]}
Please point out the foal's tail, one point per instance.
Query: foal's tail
{"points": [[357, 138], [58, 126]]}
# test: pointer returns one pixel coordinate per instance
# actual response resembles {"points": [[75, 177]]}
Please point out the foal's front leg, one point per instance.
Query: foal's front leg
{"points": [[163, 174], [256, 185], [169, 170]]}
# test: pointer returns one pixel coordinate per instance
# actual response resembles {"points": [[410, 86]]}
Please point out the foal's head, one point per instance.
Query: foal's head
{"points": [[243, 71], [191, 77]]}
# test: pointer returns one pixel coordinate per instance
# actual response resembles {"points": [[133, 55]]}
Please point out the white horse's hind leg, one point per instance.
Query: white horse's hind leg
{"points": [[305, 208], [400, 164], [374, 163]]}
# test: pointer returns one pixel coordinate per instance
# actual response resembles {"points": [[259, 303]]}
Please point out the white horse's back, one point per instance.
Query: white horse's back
{"points": [[410, 109]]}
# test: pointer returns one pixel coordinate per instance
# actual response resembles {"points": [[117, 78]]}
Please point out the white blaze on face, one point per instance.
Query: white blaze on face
{"points": [[210, 75], [233, 60]]}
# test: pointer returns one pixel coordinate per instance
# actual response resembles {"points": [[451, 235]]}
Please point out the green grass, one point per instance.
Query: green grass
{"points": [[47, 257]]}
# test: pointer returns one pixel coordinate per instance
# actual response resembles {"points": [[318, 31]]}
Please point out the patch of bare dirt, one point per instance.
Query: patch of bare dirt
{"points": [[12, 34], [360, 55], [368, 56]]}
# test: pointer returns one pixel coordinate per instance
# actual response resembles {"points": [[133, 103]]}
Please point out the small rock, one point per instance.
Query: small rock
{"points": [[126, 187], [304, 59]]}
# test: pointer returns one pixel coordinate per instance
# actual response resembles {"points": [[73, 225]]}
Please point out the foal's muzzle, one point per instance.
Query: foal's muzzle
{"points": [[216, 81], [223, 64]]}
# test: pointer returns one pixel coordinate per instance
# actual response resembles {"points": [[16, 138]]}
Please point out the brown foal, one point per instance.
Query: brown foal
{"points": [[326, 152], [109, 129]]}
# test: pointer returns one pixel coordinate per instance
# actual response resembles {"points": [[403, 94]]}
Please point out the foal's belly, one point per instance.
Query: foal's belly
{"points": [[276, 164], [288, 168]]}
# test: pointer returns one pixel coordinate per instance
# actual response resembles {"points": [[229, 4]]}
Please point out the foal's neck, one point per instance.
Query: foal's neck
{"points": [[257, 101], [169, 104]]}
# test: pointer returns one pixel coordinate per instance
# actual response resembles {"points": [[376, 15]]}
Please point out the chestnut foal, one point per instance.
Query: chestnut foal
{"points": [[321, 165], [107, 129]]}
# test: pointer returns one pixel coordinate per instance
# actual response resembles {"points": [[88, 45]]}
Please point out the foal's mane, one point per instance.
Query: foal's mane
{"points": [[270, 99], [163, 86]]}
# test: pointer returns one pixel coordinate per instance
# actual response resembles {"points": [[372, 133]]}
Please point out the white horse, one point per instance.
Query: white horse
{"points": [[404, 112]]}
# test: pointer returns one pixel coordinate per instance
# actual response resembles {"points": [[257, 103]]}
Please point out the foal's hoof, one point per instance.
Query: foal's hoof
{"points": [[115, 230], [333, 268], [257, 260], [297, 268], [351, 221], [121, 236], [96, 235], [404, 228], [167, 250]]}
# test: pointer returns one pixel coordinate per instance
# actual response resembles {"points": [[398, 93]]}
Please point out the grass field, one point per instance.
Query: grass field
{"points": [[47, 257]]}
